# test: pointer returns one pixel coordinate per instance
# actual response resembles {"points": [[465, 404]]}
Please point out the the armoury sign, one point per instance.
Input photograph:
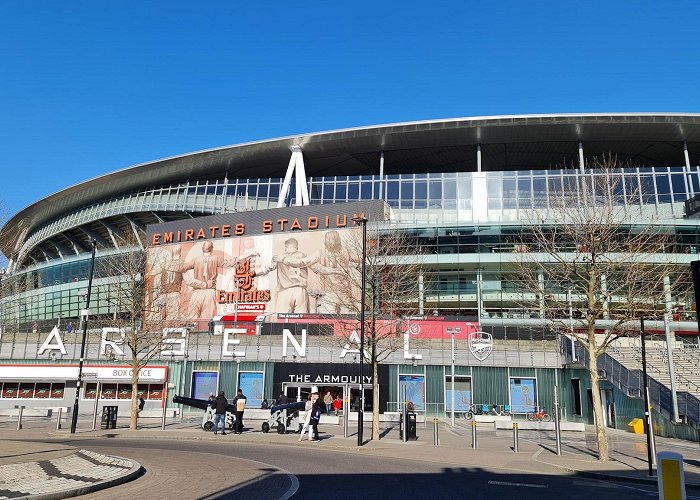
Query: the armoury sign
{"points": [[279, 220], [291, 260]]}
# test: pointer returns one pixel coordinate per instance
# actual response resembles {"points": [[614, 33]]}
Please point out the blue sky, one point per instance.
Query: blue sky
{"points": [[91, 87]]}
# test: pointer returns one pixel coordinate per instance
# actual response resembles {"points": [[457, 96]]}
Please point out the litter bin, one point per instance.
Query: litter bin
{"points": [[109, 417], [411, 427], [636, 426]]}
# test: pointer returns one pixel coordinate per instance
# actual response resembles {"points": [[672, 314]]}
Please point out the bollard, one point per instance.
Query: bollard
{"points": [[436, 438], [515, 437], [670, 476], [58, 419], [557, 425], [19, 417], [474, 443]]}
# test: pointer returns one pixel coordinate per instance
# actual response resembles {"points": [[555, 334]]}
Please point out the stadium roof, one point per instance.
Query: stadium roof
{"points": [[517, 142]]}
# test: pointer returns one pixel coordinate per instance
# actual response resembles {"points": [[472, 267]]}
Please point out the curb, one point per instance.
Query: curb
{"points": [[136, 471]]}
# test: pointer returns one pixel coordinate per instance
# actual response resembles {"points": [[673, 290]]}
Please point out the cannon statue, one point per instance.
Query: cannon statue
{"points": [[284, 417], [208, 418]]}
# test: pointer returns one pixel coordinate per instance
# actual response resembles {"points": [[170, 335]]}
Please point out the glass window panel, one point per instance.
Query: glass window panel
{"points": [[354, 191], [406, 190], [155, 391], [421, 190], [524, 193], [435, 190], [10, 389], [539, 191], [509, 194], [57, 390], [26, 390], [392, 190], [647, 189], [43, 390], [366, 190], [340, 191], [124, 391], [663, 187], [678, 186], [632, 190], [109, 391]]}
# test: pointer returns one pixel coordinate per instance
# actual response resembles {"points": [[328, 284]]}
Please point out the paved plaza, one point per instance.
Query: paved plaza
{"points": [[51, 460]]}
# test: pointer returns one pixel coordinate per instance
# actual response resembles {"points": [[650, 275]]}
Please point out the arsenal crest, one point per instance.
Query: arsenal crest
{"points": [[480, 345]]}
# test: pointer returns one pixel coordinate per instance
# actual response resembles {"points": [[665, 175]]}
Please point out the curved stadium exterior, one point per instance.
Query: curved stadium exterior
{"points": [[459, 187]]}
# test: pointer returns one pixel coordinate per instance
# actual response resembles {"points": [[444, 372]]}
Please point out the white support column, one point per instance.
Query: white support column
{"points": [[303, 185], [381, 176], [287, 180], [688, 185], [581, 162], [296, 168], [478, 157]]}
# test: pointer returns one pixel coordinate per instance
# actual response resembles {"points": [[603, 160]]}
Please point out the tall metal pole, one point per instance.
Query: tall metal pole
{"points": [[557, 423], [647, 413], [74, 417], [671, 367], [452, 383], [360, 419]]}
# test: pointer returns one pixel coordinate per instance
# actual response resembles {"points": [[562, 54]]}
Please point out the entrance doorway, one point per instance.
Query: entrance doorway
{"points": [[301, 392]]}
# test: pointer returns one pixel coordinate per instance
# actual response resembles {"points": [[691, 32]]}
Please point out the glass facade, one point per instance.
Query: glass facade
{"points": [[439, 207]]}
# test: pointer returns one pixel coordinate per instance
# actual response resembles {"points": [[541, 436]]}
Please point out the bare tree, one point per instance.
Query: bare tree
{"points": [[391, 282], [594, 250], [136, 306]]}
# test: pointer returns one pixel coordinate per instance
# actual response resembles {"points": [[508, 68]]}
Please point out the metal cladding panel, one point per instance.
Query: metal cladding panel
{"points": [[253, 223]]}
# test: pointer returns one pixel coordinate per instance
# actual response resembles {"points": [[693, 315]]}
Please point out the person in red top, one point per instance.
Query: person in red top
{"points": [[337, 404]]}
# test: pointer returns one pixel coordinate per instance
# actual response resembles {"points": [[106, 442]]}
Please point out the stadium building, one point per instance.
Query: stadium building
{"points": [[239, 241]]}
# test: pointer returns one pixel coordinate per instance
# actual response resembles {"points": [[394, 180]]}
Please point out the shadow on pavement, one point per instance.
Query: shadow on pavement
{"points": [[451, 484]]}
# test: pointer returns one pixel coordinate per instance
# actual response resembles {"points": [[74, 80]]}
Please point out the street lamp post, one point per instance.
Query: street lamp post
{"points": [[362, 220], [74, 419]]}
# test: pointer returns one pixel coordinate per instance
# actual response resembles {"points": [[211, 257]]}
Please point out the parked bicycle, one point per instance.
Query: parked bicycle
{"points": [[484, 409], [540, 415]]}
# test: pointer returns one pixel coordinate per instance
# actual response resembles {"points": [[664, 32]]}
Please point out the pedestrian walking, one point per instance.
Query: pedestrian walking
{"points": [[220, 404], [328, 401], [239, 404], [307, 418], [142, 403]]}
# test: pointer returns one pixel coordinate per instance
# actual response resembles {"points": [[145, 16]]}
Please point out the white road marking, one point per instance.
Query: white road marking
{"points": [[292, 488], [524, 485]]}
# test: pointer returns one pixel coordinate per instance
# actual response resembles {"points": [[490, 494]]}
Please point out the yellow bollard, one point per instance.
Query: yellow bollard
{"points": [[670, 476]]}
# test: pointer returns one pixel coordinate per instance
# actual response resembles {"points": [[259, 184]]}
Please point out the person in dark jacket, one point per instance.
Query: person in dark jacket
{"points": [[239, 403], [220, 404], [281, 399], [316, 404], [142, 403]]}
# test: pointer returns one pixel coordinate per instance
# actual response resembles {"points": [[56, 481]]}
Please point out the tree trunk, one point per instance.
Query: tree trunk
{"points": [[133, 421], [375, 401], [601, 437]]}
